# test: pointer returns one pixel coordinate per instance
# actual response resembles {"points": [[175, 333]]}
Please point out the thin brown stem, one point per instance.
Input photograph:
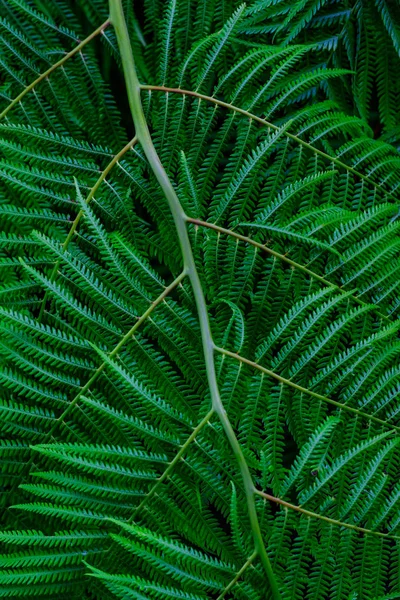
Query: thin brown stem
{"points": [[123, 341], [283, 258], [113, 353], [56, 65], [253, 117], [304, 390], [310, 514]]}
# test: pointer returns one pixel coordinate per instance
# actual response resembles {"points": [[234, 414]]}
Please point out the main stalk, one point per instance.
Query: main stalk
{"points": [[144, 138]]}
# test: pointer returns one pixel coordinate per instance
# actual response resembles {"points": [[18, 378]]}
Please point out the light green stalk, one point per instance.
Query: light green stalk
{"points": [[78, 217], [142, 131], [173, 463], [238, 575]]}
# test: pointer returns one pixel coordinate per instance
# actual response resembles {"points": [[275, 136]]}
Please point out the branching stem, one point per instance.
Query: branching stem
{"points": [[281, 257], [142, 131], [304, 390], [253, 117], [310, 514], [56, 65], [189, 269]]}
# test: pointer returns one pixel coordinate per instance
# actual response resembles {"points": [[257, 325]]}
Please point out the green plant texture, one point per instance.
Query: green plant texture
{"points": [[199, 299]]}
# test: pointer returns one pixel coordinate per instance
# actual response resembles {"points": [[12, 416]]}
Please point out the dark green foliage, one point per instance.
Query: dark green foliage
{"points": [[109, 486]]}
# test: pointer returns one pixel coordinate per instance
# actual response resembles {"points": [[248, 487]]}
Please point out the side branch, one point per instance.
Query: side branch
{"points": [[253, 117], [78, 217], [113, 353], [121, 343], [304, 390], [310, 514], [50, 70], [173, 463], [238, 575], [281, 257]]}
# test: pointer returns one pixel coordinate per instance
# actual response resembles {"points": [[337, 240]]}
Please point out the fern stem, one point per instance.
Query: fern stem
{"points": [[314, 515], [292, 136], [56, 65], [78, 217], [304, 390], [142, 131], [238, 575], [283, 258], [173, 463], [123, 341], [115, 351]]}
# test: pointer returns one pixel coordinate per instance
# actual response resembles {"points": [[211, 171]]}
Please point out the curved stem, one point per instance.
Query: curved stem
{"points": [[44, 75], [142, 131], [253, 117]]}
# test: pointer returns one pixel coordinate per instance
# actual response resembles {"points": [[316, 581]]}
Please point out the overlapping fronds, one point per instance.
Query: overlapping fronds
{"points": [[119, 473]]}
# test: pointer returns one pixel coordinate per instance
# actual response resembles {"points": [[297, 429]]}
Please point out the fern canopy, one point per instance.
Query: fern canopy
{"points": [[199, 299]]}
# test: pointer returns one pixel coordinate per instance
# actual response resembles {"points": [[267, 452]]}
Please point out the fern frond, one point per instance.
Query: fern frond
{"points": [[207, 314]]}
